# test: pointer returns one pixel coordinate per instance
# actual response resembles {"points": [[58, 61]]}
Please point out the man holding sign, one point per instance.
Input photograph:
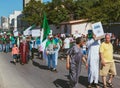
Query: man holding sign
{"points": [[93, 59]]}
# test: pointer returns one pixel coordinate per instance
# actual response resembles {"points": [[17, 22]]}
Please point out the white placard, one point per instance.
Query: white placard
{"points": [[35, 32], [98, 29], [16, 33]]}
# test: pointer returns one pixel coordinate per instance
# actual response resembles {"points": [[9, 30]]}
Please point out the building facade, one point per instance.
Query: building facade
{"points": [[27, 1], [15, 21], [75, 26], [4, 23]]}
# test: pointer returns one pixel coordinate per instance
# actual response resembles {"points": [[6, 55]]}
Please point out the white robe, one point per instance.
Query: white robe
{"points": [[93, 60]]}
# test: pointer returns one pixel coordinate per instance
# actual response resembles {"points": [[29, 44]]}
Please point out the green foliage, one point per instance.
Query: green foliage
{"points": [[33, 12], [59, 11]]}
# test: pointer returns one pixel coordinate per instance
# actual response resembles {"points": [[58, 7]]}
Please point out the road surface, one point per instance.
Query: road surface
{"points": [[35, 75]]}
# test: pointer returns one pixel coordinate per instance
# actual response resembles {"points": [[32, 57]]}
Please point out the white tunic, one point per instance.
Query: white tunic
{"points": [[93, 60]]}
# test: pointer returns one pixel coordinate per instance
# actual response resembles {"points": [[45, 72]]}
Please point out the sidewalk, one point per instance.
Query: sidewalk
{"points": [[116, 57]]}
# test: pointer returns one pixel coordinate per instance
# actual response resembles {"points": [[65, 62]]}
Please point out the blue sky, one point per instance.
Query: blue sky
{"points": [[47, 0], [9, 6]]}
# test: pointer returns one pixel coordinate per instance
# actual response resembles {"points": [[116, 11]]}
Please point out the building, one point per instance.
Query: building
{"points": [[27, 1], [75, 26], [15, 21], [4, 23]]}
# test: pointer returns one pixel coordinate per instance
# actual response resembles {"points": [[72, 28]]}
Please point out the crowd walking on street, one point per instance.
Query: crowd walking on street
{"points": [[97, 55]]}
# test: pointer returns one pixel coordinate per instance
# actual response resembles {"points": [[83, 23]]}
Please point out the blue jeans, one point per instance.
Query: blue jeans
{"points": [[1, 47], [7, 47], [51, 58]]}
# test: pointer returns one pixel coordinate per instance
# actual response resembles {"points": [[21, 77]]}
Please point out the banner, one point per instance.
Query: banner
{"points": [[35, 33], [26, 32]]}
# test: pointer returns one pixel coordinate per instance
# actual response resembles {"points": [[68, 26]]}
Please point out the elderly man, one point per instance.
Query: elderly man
{"points": [[107, 62], [74, 62]]}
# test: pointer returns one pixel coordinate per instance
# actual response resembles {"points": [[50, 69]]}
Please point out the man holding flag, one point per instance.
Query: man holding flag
{"points": [[47, 44], [50, 51], [43, 38]]}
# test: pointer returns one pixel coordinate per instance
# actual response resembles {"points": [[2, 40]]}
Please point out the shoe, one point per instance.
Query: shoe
{"points": [[96, 86], [22, 63], [104, 86], [62, 59], [109, 84], [49, 68], [54, 70], [89, 86], [14, 63]]}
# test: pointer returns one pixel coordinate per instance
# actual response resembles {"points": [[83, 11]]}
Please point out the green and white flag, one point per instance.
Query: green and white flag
{"points": [[45, 29], [28, 30], [44, 34]]}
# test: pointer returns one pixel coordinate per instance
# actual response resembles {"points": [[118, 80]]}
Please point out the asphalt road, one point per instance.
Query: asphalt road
{"points": [[35, 75]]}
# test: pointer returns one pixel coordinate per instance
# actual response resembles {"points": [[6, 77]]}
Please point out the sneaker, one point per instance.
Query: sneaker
{"points": [[110, 84], [54, 70], [14, 63], [49, 68]]}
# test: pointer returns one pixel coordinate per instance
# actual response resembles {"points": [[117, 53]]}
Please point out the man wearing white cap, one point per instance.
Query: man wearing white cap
{"points": [[50, 51]]}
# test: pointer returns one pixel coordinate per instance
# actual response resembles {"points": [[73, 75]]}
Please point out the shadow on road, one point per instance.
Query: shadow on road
{"points": [[83, 81], [65, 83], [39, 65], [61, 83]]}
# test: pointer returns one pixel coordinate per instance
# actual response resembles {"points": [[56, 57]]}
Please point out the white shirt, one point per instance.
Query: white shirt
{"points": [[76, 35], [84, 47], [66, 43]]}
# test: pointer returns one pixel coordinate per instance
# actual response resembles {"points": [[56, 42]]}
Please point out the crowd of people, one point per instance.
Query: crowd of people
{"points": [[74, 49], [99, 60]]}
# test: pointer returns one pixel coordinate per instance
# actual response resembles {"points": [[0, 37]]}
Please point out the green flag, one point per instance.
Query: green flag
{"points": [[27, 31], [31, 27], [45, 29]]}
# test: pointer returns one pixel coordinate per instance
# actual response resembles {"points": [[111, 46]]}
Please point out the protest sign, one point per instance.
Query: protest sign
{"points": [[35, 32], [98, 30]]}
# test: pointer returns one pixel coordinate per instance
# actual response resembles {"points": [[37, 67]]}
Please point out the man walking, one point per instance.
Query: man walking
{"points": [[107, 62], [74, 62], [93, 61]]}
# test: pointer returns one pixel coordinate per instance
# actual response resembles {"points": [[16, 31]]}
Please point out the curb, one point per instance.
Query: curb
{"points": [[116, 58]]}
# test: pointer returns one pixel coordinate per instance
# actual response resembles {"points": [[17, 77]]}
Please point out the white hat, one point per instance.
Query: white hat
{"points": [[50, 35]]}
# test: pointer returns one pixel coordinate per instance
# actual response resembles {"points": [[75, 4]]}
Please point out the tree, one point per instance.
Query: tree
{"points": [[56, 12], [33, 12]]}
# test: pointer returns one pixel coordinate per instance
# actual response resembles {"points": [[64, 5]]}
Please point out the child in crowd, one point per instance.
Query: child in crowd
{"points": [[15, 53]]}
